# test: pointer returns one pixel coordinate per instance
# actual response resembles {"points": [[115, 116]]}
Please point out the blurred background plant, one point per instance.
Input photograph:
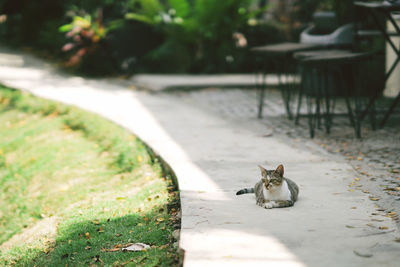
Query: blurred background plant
{"points": [[199, 36], [87, 35], [130, 36]]}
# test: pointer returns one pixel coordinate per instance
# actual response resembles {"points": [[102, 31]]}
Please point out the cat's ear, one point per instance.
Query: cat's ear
{"points": [[263, 171], [279, 170]]}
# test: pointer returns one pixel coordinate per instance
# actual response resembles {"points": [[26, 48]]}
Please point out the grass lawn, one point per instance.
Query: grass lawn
{"points": [[75, 189]]}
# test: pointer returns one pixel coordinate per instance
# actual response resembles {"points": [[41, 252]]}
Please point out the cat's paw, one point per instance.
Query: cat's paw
{"points": [[268, 205]]}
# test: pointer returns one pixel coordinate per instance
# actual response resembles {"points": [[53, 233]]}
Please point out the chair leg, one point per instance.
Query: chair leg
{"points": [[285, 93], [390, 111], [357, 117], [372, 116], [318, 100], [349, 111], [299, 100], [357, 97], [311, 116], [328, 117], [261, 96]]}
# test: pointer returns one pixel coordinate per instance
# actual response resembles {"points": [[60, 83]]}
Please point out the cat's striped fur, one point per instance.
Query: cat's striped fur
{"points": [[274, 190]]}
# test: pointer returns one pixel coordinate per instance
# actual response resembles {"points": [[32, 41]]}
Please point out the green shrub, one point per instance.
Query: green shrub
{"points": [[199, 34], [154, 36]]}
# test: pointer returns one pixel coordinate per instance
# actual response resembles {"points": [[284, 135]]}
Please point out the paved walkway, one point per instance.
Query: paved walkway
{"points": [[160, 82], [213, 156]]}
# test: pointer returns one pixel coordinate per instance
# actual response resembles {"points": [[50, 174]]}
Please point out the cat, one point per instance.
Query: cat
{"points": [[274, 190]]}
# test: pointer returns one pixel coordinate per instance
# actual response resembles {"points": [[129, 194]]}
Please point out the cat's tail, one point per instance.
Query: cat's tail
{"points": [[245, 191]]}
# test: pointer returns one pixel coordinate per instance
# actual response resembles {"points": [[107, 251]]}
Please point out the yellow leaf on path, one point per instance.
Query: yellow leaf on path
{"points": [[357, 179], [383, 227], [391, 214], [374, 198]]}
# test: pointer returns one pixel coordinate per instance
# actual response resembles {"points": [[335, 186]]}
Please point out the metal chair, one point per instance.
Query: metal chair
{"points": [[317, 71]]}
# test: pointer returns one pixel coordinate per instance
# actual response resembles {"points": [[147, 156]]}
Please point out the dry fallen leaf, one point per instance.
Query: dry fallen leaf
{"points": [[389, 189], [87, 235], [96, 222], [160, 219], [374, 198], [136, 247], [383, 227], [110, 249], [391, 214], [365, 255]]}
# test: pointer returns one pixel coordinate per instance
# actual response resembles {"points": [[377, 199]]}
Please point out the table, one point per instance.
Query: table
{"points": [[385, 9], [282, 53]]}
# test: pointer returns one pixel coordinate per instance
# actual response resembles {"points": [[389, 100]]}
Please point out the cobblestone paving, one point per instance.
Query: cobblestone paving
{"points": [[376, 157]]}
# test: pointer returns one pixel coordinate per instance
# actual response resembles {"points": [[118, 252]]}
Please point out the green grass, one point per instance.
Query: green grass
{"points": [[87, 184]]}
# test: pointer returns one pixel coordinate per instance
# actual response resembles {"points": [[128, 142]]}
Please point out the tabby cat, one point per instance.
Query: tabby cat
{"points": [[274, 190]]}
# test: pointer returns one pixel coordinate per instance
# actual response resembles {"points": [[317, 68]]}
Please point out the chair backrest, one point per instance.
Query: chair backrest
{"points": [[325, 22]]}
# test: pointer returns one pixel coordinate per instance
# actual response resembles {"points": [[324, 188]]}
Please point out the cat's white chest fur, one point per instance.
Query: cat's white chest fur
{"points": [[278, 193]]}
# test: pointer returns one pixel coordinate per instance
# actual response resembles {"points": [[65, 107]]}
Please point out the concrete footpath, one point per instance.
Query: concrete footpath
{"points": [[213, 157]]}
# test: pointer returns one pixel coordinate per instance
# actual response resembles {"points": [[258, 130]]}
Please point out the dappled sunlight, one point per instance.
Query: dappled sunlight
{"points": [[11, 60], [231, 248], [14, 74]]}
